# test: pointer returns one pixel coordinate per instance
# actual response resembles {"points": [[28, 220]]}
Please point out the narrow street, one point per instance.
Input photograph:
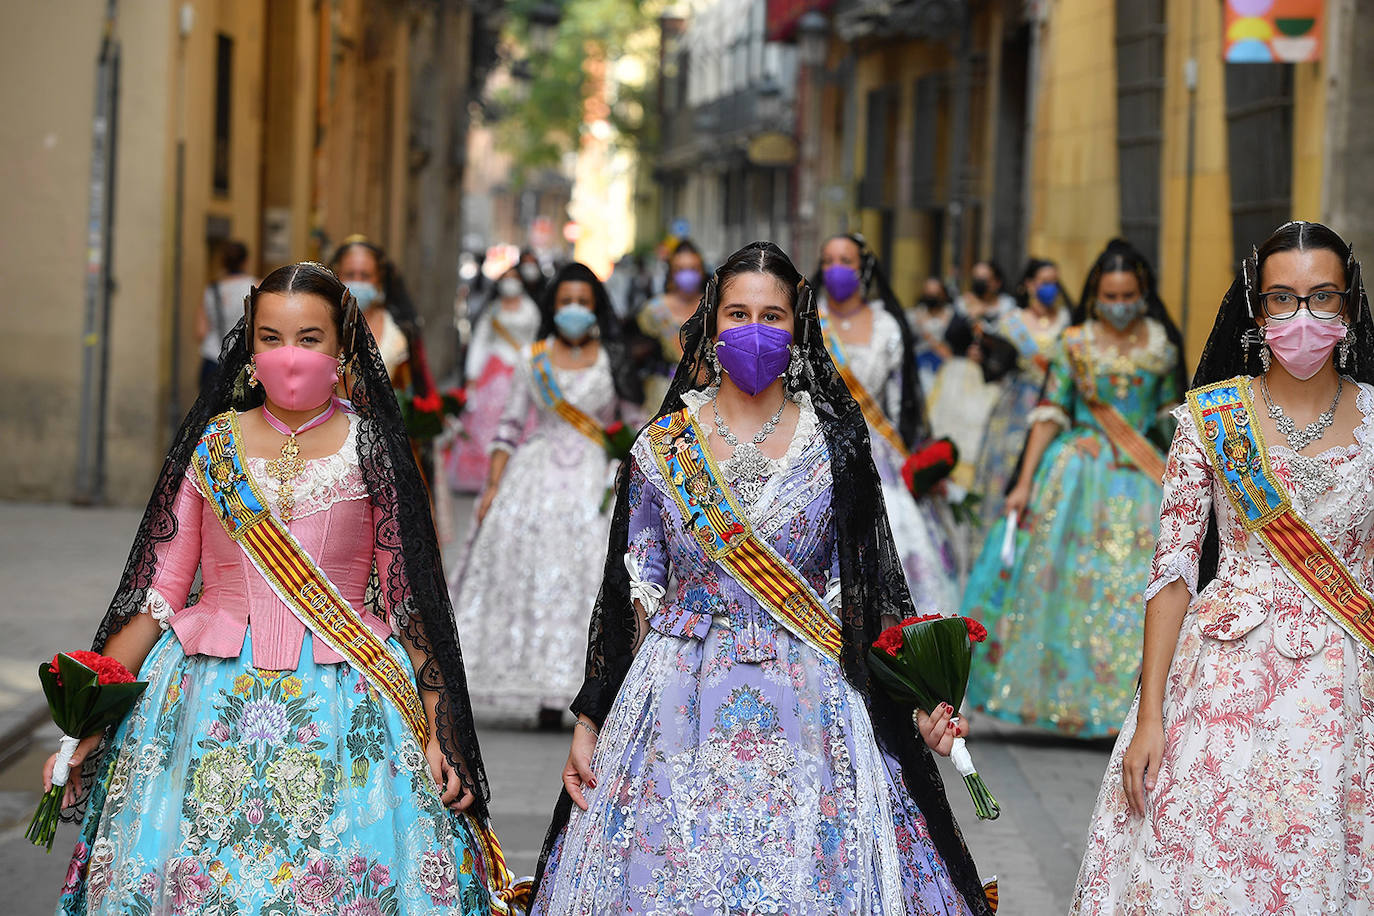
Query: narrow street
{"points": [[58, 565]]}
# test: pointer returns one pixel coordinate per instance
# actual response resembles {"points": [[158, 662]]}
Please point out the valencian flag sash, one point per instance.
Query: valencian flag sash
{"points": [[552, 396], [872, 411], [1125, 438], [710, 513], [299, 582], [1235, 448]]}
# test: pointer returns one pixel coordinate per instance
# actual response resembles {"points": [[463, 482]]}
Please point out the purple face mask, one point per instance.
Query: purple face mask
{"points": [[841, 281], [754, 355], [687, 281]]}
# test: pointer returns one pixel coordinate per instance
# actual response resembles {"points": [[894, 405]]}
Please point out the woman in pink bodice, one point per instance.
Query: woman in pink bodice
{"points": [[286, 755]]}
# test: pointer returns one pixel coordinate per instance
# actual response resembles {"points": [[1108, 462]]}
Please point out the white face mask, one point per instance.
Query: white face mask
{"points": [[510, 287]]}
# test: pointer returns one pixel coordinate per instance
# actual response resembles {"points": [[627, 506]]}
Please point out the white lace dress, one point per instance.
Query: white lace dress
{"points": [[920, 530], [523, 594], [1262, 803]]}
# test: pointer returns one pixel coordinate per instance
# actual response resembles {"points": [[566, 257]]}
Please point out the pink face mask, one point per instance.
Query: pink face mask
{"points": [[1303, 343], [296, 378]]}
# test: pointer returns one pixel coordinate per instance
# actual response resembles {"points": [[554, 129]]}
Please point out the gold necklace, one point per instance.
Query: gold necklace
{"points": [[290, 465]]}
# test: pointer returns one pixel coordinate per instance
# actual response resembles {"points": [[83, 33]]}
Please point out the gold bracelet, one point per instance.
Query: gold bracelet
{"points": [[595, 733]]}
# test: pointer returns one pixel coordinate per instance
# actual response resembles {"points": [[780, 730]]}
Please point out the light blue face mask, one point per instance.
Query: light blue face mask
{"points": [[365, 293], [574, 322], [1120, 314]]}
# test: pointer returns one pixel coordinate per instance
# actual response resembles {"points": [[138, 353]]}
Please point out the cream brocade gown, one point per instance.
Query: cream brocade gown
{"points": [[523, 595], [1262, 803]]}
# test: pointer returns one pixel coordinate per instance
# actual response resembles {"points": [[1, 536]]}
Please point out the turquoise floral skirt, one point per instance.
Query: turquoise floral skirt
{"points": [[231, 790], [1065, 620]]}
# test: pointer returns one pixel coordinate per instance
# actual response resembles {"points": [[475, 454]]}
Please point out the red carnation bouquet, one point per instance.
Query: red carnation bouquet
{"points": [[424, 415], [619, 439], [87, 693], [929, 468], [924, 661]]}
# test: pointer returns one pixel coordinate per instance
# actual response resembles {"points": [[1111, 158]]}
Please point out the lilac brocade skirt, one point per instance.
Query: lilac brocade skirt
{"points": [[728, 787]]}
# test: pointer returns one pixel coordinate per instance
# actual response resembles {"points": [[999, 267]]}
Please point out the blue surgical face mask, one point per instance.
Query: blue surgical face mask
{"points": [[1047, 293], [574, 322], [365, 293]]}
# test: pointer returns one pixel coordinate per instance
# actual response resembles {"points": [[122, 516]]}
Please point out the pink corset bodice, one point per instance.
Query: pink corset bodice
{"points": [[333, 522]]}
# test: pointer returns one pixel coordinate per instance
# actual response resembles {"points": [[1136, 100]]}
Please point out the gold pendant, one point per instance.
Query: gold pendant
{"points": [[286, 469]]}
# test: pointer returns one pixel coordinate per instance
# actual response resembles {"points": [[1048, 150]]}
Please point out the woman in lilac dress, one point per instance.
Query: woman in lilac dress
{"points": [[731, 754]]}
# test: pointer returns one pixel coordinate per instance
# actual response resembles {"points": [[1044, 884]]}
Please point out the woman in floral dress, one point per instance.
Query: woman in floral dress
{"points": [[870, 337], [1062, 619], [1044, 312], [261, 771], [507, 324], [728, 759], [1240, 782], [655, 332], [544, 503]]}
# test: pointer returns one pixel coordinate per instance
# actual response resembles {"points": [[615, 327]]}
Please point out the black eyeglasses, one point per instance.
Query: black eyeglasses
{"points": [[1324, 304]]}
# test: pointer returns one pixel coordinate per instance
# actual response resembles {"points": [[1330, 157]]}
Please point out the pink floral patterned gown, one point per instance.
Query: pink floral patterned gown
{"points": [[1261, 804]]}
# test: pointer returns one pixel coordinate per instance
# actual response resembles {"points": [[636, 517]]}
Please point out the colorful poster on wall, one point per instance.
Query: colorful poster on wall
{"points": [[1273, 31]]}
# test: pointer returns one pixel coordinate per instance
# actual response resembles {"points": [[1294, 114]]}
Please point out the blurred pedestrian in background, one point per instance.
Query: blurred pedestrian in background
{"points": [[1240, 780], [524, 591], [1063, 616], [532, 274], [874, 349], [653, 340], [505, 325], [964, 393], [929, 319], [1032, 328], [222, 308]]}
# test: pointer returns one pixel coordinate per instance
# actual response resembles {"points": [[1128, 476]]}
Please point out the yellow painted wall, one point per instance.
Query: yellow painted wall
{"points": [[1075, 207], [1210, 271], [47, 88], [1309, 139]]}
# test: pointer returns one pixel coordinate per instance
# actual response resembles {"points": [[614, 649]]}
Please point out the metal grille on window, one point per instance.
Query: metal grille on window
{"points": [[1259, 134], [1140, 31]]}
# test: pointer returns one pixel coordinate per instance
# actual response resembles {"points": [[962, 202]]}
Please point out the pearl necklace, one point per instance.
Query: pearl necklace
{"points": [[1298, 439]]}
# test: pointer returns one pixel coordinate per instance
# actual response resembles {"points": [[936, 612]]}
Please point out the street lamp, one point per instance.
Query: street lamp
{"points": [[813, 33], [543, 26]]}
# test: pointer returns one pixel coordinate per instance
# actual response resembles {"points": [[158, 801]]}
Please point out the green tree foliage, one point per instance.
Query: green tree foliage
{"points": [[543, 112]]}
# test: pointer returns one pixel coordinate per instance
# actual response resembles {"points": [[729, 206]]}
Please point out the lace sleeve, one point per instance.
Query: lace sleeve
{"points": [[1056, 402], [177, 559], [510, 431], [1184, 511], [646, 560]]}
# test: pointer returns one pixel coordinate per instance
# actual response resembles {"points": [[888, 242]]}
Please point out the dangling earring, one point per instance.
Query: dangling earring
{"points": [[252, 373], [712, 366], [794, 369], [1343, 352], [1264, 351]]}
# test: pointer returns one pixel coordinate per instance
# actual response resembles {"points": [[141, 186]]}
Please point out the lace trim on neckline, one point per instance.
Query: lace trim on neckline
{"points": [[1364, 430], [325, 481], [601, 361], [1157, 354], [807, 427]]}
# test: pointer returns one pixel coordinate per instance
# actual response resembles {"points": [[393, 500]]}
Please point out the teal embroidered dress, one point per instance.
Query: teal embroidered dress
{"points": [[1065, 618]]}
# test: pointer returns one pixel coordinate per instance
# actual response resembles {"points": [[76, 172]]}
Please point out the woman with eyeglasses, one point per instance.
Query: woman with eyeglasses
{"points": [[1062, 616], [1241, 779]]}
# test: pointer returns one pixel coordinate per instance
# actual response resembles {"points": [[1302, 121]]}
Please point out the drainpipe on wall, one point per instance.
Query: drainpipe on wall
{"points": [[963, 78], [1037, 15], [185, 23], [95, 335]]}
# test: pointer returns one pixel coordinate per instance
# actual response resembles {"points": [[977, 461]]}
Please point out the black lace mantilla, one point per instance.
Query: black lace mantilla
{"points": [[872, 579], [1224, 357], [418, 593]]}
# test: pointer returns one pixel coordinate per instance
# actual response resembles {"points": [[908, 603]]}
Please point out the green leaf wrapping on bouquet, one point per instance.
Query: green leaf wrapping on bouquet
{"points": [[932, 665]]}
